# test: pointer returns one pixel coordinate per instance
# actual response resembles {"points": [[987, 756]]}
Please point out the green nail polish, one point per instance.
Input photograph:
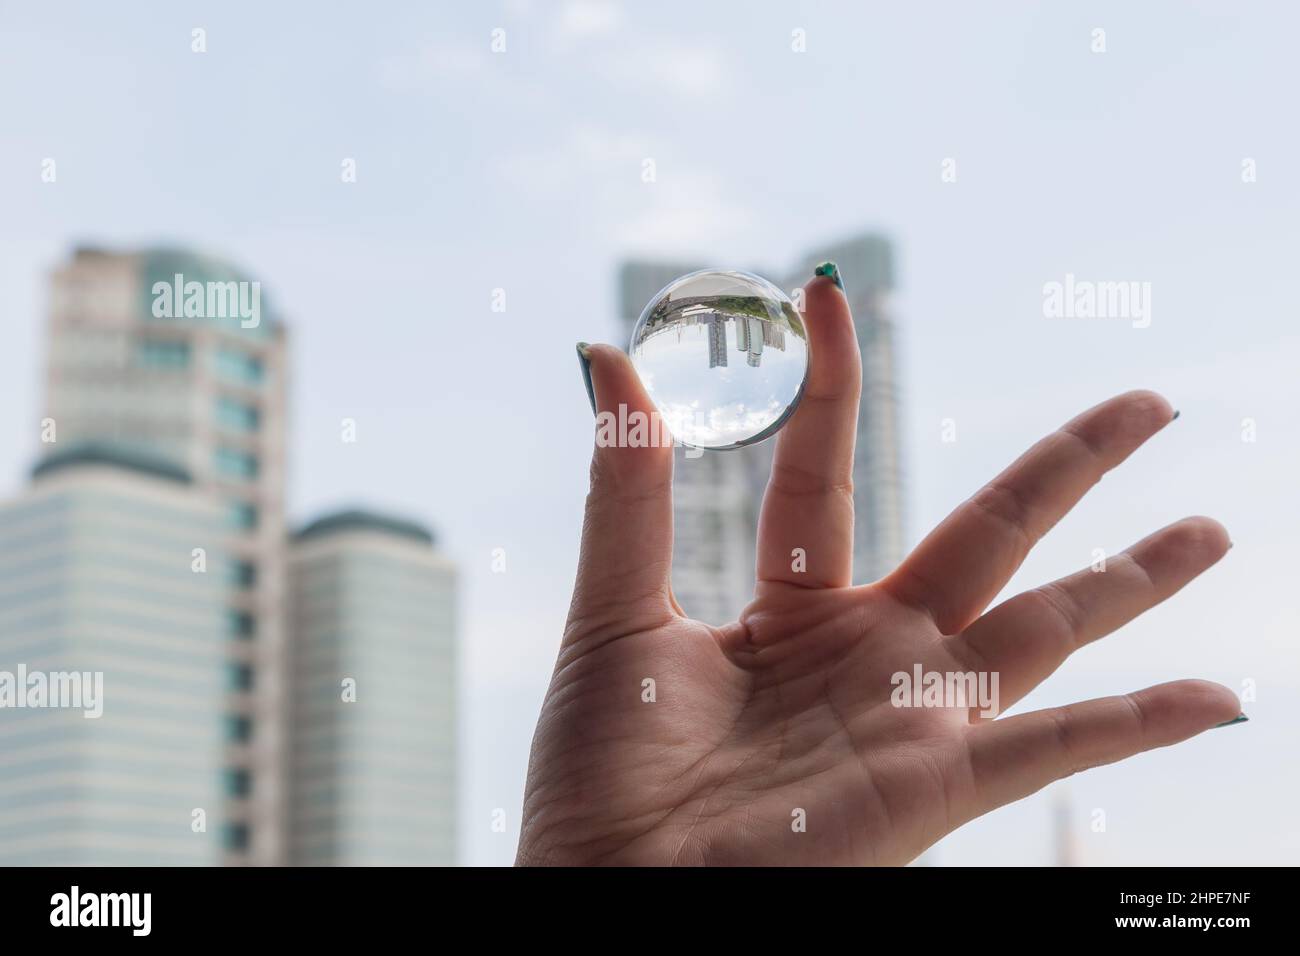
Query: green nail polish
{"points": [[1176, 414], [1240, 718], [831, 271], [585, 363]]}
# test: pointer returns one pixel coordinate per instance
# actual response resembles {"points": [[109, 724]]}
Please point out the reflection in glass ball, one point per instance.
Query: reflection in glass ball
{"points": [[723, 355]]}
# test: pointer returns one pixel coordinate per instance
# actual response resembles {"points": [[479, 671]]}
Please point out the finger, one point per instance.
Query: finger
{"points": [[1016, 756], [808, 504], [627, 531], [964, 562], [1028, 637]]}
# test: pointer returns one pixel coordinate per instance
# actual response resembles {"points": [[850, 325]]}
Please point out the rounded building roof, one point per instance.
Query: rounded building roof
{"points": [[116, 456], [360, 520]]}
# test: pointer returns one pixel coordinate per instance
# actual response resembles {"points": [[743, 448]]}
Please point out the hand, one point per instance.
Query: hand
{"points": [[788, 710]]}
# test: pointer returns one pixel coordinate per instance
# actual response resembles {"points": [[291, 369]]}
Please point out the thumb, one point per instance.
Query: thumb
{"points": [[627, 533]]}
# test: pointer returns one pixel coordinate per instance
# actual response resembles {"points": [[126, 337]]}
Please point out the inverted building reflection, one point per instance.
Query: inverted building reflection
{"points": [[748, 333]]}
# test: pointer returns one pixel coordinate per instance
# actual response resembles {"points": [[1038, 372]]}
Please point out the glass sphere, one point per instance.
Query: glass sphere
{"points": [[724, 356]]}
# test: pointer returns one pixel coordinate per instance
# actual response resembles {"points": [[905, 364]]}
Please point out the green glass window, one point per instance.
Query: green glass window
{"points": [[241, 516], [237, 416], [235, 464], [240, 676], [238, 782], [236, 836], [239, 729], [243, 574], [241, 624], [239, 367], [163, 354]]}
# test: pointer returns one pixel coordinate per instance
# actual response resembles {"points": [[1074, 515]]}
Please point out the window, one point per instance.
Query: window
{"points": [[236, 836], [241, 516], [236, 464], [239, 367], [239, 729], [240, 624], [239, 783], [236, 416], [243, 574], [241, 677], [163, 354]]}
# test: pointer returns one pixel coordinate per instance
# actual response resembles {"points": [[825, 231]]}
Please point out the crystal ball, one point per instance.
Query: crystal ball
{"points": [[724, 357]]}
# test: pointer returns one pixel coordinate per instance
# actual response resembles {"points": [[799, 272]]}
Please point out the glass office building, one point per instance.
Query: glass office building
{"points": [[178, 355], [373, 717], [112, 575]]}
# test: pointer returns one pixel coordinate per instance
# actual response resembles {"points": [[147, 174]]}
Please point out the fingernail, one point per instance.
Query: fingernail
{"points": [[830, 270], [1176, 414], [585, 362], [1240, 718]]}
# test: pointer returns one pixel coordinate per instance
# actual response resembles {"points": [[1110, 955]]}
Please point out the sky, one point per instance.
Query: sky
{"points": [[518, 177]]}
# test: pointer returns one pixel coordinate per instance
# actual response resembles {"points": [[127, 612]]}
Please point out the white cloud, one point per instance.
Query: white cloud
{"points": [[584, 19], [690, 71], [684, 207], [685, 71], [561, 167]]}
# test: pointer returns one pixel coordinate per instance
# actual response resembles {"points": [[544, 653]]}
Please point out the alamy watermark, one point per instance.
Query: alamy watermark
{"points": [[637, 429], [178, 299], [72, 690], [132, 911], [957, 689], [1086, 299]]}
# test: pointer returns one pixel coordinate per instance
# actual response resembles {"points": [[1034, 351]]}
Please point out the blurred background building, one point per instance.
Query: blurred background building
{"points": [[97, 574], [717, 495], [207, 392], [373, 781], [623, 129], [164, 437]]}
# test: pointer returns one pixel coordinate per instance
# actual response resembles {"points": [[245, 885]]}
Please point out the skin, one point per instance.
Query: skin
{"points": [[789, 708]]}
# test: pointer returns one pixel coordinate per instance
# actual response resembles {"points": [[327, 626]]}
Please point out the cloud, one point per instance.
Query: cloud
{"points": [[689, 72], [684, 206], [583, 19], [683, 209], [562, 167]]}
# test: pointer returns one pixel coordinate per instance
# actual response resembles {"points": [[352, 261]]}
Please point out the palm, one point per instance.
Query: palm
{"points": [[774, 739], [733, 739]]}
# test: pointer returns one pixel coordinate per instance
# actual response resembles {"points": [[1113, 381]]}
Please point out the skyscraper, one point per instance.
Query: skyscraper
{"points": [[174, 354], [717, 495], [373, 724], [110, 565], [717, 342]]}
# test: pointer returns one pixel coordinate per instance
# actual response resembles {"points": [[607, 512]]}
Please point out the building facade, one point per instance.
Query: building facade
{"points": [[373, 725], [177, 355], [110, 565]]}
